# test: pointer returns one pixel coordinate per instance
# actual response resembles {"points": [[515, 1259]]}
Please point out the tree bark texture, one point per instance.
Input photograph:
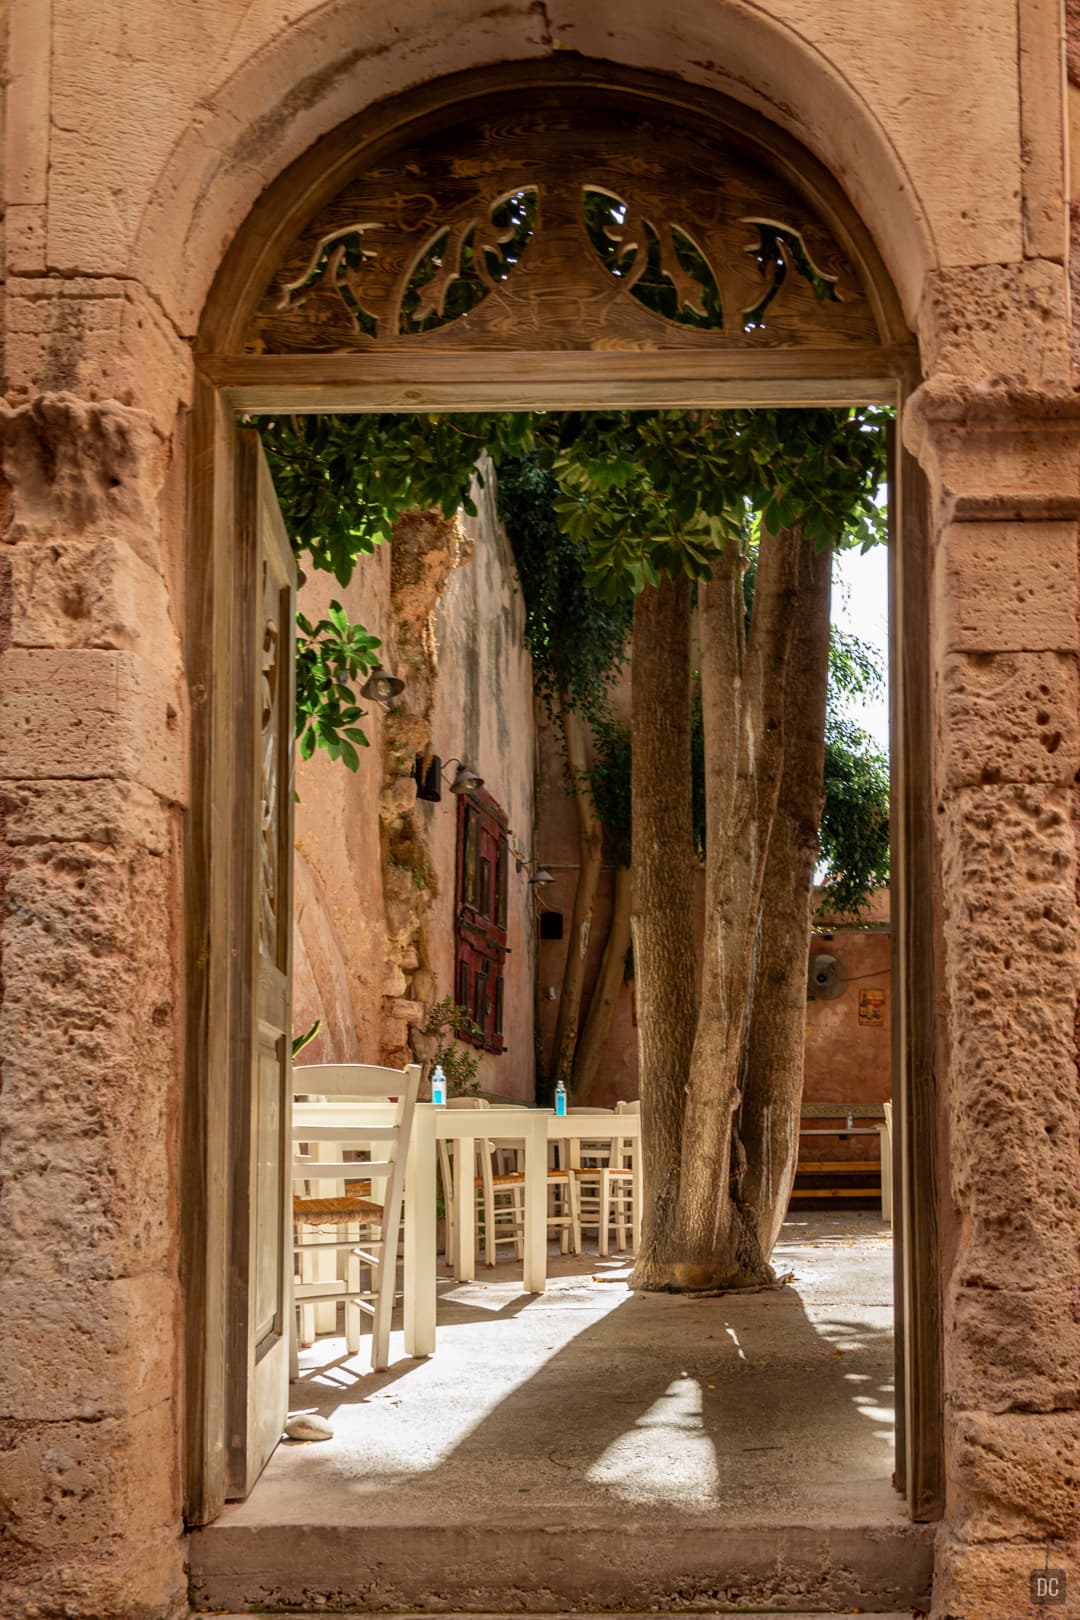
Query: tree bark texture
{"points": [[590, 842], [711, 1240], [775, 1048], [597, 1026], [662, 917]]}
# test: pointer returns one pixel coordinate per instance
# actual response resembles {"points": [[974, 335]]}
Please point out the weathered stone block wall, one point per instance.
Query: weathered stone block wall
{"points": [[92, 731], [1003, 460], [137, 141]]}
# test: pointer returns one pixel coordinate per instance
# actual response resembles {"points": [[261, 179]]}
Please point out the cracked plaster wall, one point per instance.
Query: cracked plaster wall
{"points": [[137, 139]]}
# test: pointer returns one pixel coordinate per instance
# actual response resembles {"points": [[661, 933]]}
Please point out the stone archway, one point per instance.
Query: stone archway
{"points": [[130, 172], [548, 234]]}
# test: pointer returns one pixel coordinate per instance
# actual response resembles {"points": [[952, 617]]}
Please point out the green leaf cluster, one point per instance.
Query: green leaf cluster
{"points": [[446, 1020], [599, 505], [663, 492], [343, 481], [331, 655], [855, 822]]}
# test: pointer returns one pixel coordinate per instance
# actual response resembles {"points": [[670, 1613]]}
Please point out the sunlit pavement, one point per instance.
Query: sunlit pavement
{"points": [[589, 1410]]}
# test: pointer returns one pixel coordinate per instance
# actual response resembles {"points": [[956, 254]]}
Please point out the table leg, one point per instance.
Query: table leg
{"points": [[420, 1275], [536, 1201], [465, 1199]]}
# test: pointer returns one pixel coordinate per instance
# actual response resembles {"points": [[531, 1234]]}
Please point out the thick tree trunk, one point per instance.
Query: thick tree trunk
{"points": [[590, 843], [663, 905], [712, 1243], [597, 1025], [768, 1123]]}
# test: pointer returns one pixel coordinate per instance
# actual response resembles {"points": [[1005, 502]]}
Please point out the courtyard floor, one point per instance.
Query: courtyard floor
{"points": [[752, 1431]]}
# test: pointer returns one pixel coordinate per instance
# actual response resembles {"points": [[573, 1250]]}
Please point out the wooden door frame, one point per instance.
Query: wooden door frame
{"points": [[229, 383]]}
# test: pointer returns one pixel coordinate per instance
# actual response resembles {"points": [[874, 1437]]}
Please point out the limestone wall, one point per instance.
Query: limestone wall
{"points": [[138, 138], [484, 714]]}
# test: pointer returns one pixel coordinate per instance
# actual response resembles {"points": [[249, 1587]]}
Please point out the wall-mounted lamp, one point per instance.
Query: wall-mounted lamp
{"points": [[465, 778], [540, 876], [381, 686], [428, 773]]}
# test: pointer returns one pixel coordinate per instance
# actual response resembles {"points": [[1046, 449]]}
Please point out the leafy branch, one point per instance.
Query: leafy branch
{"points": [[330, 657]]}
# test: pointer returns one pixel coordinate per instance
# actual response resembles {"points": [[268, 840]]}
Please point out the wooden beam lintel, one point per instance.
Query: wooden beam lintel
{"points": [[551, 380]]}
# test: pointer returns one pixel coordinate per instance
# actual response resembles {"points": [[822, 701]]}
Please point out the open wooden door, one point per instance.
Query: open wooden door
{"points": [[257, 1352]]}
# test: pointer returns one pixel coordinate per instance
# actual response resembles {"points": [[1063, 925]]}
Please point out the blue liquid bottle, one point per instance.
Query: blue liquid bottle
{"points": [[560, 1099], [438, 1085]]}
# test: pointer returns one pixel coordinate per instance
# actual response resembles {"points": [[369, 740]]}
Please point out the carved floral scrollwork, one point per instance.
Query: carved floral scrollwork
{"points": [[338, 263], [660, 263], [455, 269], [781, 249], [269, 750], [462, 263], [564, 225]]}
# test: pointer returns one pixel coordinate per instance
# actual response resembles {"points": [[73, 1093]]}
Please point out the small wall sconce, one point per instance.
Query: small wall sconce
{"points": [[465, 780], [381, 686], [540, 876], [428, 778]]}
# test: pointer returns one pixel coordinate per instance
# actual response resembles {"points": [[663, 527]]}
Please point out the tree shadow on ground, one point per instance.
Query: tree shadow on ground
{"points": [[745, 1404]]}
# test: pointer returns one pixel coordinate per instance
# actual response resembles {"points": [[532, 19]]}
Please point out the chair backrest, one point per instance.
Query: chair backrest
{"points": [[584, 1110], [359, 1080], [467, 1102], [628, 1107], [352, 1080]]}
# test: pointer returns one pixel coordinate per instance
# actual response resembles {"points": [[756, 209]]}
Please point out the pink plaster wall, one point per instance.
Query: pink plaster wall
{"points": [[339, 933]]}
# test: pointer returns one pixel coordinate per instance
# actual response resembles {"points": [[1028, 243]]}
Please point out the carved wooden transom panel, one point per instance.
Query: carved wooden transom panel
{"points": [[564, 227]]}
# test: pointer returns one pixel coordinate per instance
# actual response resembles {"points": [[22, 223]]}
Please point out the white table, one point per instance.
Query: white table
{"points": [[463, 1126], [533, 1127]]}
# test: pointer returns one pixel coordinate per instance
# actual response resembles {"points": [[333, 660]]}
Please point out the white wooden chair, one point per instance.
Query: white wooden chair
{"points": [[605, 1170], [366, 1223], [885, 1137], [500, 1193]]}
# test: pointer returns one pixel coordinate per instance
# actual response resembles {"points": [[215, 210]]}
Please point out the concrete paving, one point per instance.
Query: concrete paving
{"points": [[595, 1447]]}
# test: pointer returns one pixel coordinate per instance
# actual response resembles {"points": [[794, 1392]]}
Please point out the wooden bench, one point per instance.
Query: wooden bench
{"points": [[838, 1167], [853, 1119]]}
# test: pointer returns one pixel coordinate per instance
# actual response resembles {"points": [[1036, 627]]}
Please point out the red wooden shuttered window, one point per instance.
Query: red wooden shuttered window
{"points": [[482, 880]]}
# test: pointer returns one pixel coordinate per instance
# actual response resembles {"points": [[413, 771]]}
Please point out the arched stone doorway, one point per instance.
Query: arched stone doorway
{"points": [[549, 235]]}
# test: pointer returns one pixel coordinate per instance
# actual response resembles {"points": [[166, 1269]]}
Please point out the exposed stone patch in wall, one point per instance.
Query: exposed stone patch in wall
{"points": [[426, 550]]}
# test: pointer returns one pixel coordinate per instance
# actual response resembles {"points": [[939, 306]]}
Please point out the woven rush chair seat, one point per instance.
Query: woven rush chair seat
{"points": [[516, 1178], [334, 1211]]}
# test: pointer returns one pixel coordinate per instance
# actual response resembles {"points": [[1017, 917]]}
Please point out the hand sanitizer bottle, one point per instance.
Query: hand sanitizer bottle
{"points": [[560, 1099], [438, 1085]]}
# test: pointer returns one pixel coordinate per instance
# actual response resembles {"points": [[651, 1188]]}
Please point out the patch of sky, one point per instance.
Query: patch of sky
{"points": [[860, 606]]}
